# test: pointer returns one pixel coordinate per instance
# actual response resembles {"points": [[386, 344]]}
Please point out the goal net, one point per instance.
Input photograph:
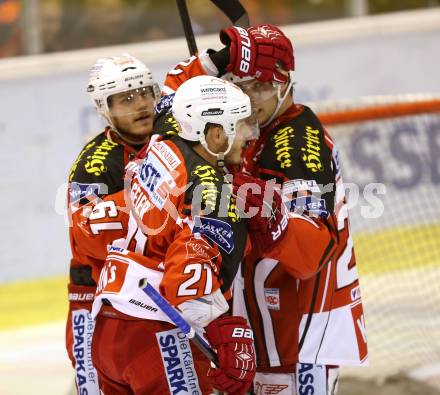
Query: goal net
{"points": [[390, 156]]}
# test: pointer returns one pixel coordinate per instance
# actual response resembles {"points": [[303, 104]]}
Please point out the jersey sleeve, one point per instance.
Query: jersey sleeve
{"points": [[305, 248], [299, 158], [191, 268], [97, 223], [185, 70], [96, 204]]}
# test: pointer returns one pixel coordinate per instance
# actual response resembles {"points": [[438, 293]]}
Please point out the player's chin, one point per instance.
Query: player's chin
{"points": [[142, 126]]}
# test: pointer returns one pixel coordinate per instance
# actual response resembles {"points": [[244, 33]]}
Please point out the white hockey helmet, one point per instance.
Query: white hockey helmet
{"points": [[117, 74], [205, 99]]}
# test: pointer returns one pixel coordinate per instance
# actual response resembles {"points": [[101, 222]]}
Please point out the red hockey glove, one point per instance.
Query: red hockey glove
{"points": [[270, 223], [259, 52], [234, 341]]}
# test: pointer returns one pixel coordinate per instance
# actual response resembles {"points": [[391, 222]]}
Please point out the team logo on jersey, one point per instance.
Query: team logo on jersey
{"points": [[272, 297], [219, 232], [198, 249], [311, 151], [85, 374], [178, 362], [309, 205], [165, 103], [112, 275], [283, 140], [156, 179], [269, 389], [96, 162], [79, 191]]}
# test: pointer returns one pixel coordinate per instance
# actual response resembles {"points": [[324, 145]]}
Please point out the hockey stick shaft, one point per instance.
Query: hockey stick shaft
{"points": [[234, 10], [179, 321], [187, 27]]}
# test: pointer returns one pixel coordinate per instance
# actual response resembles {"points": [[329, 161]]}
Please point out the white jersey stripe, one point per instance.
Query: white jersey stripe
{"points": [[262, 271]]}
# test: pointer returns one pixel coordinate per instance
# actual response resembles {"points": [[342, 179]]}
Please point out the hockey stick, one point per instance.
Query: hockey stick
{"points": [[187, 27], [179, 321], [233, 9]]}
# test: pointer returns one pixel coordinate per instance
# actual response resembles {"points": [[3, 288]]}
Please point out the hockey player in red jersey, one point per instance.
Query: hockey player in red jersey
{"points": [[302, 296], [124, 93], [187, 238], [300, 290]]}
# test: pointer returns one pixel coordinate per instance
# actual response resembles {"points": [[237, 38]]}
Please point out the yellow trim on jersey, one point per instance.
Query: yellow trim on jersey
{"points": [[24, 303]]}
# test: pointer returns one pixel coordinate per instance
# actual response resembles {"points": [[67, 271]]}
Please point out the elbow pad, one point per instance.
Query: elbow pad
{"points": [[200, 312]]}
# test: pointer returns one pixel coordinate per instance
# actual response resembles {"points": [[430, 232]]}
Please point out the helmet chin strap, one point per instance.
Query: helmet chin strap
{"points": [[280, 99], [219, 155]]}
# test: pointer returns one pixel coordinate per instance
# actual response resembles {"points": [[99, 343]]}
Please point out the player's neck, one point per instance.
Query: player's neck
{"points": [[201, 151], [288, 102]]}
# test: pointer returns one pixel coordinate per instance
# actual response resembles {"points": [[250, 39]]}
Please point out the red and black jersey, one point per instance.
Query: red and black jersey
{"points": [[96, 204], [304, 293], [302, 298], [184, 220]]}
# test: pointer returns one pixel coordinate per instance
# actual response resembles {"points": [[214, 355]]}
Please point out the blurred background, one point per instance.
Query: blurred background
{"points": [[378, 56], [43, 26]]}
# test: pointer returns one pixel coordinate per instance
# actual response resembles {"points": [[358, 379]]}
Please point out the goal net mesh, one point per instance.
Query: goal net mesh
{"points": [[390, 156]]}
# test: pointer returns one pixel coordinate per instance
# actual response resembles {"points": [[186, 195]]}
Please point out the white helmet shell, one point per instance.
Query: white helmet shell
{"points": [[109, 76], [205, 99]]}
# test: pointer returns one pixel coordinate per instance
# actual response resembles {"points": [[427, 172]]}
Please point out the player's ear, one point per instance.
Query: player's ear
{"points": [[215, 137]]}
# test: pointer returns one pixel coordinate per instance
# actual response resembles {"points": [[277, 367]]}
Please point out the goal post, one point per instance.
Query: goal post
{"points": [[390, 157]]}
